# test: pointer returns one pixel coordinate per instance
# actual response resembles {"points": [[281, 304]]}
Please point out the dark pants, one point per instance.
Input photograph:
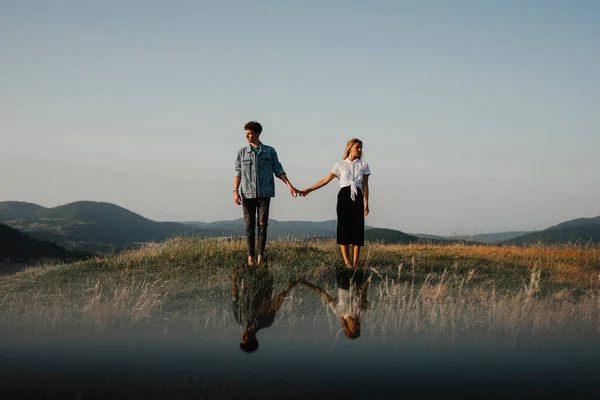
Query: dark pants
{"points": [[251, 207]]}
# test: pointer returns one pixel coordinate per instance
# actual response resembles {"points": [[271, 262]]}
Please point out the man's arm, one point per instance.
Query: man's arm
{"points": [[280, 173], [278, 299], [285, 179], [237, 179], [237, 199]]}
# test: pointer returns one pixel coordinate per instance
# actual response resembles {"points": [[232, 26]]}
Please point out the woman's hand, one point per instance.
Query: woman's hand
{"points": [[366, 210], [304, 192]]}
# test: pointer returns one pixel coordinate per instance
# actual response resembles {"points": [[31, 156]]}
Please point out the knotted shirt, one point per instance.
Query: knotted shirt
{"points": [[351, 173]]}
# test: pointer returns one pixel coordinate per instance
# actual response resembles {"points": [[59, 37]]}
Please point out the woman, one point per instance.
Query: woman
{"points": [[351, 300], [353, 199]]}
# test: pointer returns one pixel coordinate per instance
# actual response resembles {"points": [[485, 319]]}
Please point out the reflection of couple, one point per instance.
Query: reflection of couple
{"points": [[253, 187], [255, 307]]}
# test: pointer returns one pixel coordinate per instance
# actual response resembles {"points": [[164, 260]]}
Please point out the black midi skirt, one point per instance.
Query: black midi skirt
{"points": [[350, 218]]}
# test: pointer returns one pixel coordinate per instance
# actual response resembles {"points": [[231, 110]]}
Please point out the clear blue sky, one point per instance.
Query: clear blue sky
{"points": [[476, 116]]}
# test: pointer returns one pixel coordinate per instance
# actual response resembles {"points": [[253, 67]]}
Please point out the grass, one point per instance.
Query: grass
{"points": [[433, 291]]}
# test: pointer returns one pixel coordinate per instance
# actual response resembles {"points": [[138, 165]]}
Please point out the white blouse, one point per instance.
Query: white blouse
{"points": [[347, 303], [350, 173]]}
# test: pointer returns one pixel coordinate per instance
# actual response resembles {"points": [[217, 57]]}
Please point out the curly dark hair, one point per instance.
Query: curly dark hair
{"points": [[253, 126]]}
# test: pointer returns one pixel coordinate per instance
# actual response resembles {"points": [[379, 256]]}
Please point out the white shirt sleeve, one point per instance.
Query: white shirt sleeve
{"points": [[336, 169], [366, 170]]}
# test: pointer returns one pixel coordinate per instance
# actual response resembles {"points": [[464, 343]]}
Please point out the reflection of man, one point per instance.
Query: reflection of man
{"points": [[253, 304], [351, 301]]}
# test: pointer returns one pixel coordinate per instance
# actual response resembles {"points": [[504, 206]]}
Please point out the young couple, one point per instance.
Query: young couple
{"points": [[254, 185]]}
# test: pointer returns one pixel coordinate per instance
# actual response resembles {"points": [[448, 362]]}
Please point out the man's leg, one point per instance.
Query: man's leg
{"points": [[263, 222], [249, 206]]}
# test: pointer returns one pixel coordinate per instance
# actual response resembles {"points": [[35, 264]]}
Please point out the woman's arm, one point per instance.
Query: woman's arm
{"points": [[317, 290], [366, 193], [319, 184]]}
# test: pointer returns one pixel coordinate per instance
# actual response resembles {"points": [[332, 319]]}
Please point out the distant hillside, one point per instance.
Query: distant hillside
{"points": [[90, 225], [12, 210], [16, 244], [277, 229], [490, 238], [578, 231], [389, 236], [427, 236], [579, 222]]}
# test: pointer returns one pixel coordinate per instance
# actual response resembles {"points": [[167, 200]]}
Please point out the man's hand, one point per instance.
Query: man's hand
{"points": [[237, 199], [293, 190]]}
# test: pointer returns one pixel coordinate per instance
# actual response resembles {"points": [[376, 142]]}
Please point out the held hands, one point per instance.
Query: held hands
{"points": [[293, 191]]}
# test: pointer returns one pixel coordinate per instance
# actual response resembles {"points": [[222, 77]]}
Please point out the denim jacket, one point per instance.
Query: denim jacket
{"points": [[257, 170]]}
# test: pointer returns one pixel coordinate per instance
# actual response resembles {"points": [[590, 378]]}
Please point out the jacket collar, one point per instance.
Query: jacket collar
{"points": [[260, 146]]}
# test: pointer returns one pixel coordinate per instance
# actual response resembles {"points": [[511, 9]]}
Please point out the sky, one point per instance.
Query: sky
{"points": [[475, 116]]}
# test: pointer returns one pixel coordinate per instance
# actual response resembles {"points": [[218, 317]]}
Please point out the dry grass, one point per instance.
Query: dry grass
{"points": [[429, 290]]}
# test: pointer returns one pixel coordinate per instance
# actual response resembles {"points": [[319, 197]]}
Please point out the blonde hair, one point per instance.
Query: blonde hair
{"points": [[351, 332], [351, 143]]}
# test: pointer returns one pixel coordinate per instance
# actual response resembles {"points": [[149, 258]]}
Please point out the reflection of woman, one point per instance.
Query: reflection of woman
{"points": [[351, 301], [353, 199], [253, 307]]}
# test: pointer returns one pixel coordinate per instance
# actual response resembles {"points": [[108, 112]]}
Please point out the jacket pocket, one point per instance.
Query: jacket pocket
{"points": [[246, 169]]}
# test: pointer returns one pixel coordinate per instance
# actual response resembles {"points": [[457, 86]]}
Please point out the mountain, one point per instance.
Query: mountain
{"points": [[277, 229], [427, 236], [579, 222], [390, 236], [490, 238], [16, 244], [11, 210], [90, 225], [18, 250], [579, 231]]}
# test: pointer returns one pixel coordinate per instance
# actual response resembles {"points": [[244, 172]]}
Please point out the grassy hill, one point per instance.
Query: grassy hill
{"points": [[186, 281], [18, 250], [579, 231], [90, 225], [111, 321]]}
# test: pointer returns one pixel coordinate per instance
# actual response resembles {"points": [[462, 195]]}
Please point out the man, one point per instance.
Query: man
{"points": [[254, 185], [254, 306]]}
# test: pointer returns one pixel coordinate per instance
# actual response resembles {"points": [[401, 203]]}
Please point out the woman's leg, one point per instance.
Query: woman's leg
{"points": [[356, 253], [344, 249]]}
